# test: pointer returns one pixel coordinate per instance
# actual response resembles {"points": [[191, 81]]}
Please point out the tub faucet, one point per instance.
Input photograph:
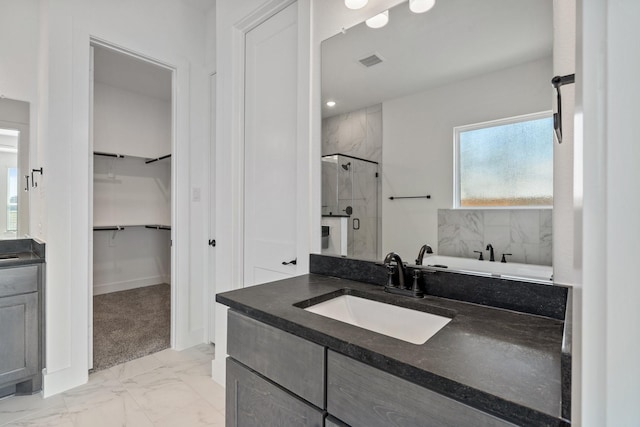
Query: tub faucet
{"points": [[491, 255], [424, 249], [392, 256]]}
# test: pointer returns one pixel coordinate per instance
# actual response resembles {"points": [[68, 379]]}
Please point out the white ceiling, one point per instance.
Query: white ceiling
{"points": [[131, 74], [455, 40]]}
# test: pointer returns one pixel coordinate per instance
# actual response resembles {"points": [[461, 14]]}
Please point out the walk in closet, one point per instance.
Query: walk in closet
{"points": [[132, 169]]}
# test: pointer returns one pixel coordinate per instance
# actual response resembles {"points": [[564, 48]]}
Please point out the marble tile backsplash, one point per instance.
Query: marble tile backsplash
{"points": [[524, 233]]}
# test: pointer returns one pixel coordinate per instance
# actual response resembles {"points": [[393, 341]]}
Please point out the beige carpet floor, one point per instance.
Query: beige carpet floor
{"points": [[130, 324]]}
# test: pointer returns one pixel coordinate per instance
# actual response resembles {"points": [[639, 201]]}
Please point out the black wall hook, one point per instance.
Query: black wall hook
{"points": [[558, 82], [33, 181]]}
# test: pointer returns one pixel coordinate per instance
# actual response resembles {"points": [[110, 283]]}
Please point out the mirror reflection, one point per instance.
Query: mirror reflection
{"points": [[14, 165], [395, 97]]}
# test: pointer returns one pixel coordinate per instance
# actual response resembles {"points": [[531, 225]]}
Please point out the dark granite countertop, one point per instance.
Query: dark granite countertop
{"points": [[15, 252], [499, 361]]}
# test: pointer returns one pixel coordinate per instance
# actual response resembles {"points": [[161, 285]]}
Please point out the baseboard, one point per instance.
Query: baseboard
{"points": [[106, 288]]}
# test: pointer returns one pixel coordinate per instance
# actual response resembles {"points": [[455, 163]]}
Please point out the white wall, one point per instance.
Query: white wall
{"points": [[130, 123], [19, 35], [607, 109], [171, 33], [132, 258], [417, 157]]}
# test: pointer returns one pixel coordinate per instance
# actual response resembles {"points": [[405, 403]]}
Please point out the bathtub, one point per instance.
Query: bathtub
{"points": [[510, 270]]}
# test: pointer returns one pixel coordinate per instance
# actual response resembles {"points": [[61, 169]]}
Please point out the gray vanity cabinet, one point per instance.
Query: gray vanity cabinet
{"points": [[275, 378], [253, 401], [290, 361], [20, 330], [361, 395]]}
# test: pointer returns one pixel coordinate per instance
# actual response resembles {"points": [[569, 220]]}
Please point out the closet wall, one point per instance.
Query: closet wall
{"points": [[131, 192]]}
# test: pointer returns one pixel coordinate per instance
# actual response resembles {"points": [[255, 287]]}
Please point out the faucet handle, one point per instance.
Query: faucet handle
{"points": [[504, 259], [481, 257]]}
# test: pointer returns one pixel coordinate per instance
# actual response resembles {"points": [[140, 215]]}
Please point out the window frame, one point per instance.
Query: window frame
{"points": [[457, 130]]}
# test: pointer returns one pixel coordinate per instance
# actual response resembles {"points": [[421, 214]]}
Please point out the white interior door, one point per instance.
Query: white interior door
{"points": [[270, 148]]}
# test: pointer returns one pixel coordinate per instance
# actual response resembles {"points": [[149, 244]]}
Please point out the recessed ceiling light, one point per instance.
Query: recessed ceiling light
{"points": [[331, 103], [355, 4], [378, 21], [421, 6]]}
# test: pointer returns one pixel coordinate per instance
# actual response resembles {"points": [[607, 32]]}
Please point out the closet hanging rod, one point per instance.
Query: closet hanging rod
{"points": [[428, 196], [100, 153], [158, 227], [157, 159], [109, 228], [558, 82]]}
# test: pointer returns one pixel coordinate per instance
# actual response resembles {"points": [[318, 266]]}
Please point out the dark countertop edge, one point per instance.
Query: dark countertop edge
{"points": [[467, 395], [19, 262], [28, 249]]}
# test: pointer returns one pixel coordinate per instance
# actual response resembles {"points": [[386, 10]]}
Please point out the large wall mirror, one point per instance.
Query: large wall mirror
{"points": [[14, 166], [393, 99]]}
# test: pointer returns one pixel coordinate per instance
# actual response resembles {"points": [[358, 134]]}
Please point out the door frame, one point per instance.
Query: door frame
{"points": [[94, 41]]}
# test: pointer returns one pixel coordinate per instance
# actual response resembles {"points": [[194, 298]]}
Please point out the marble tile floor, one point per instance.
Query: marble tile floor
{"points": [[168, 388]]}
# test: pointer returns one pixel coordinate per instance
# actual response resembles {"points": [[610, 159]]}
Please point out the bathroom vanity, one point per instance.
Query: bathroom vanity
{"points": [[486, 367], [21, 316]]}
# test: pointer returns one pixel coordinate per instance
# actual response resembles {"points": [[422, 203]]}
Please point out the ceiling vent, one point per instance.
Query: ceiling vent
{"points": [[371, 60]]}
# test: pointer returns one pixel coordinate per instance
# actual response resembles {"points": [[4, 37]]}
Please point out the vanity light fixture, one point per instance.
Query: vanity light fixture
{"points": [[421, 6], [355, 4], [331, 104], [378, 21]]}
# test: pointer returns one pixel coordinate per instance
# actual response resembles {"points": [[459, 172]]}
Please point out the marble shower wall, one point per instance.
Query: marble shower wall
{"points": [[525, 233], [358, 134]]}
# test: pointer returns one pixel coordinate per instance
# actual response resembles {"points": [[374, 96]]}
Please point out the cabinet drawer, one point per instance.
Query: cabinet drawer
{"points": [[18, 280], [361, 395], [18, 337], [254, 401], [294, 363]]}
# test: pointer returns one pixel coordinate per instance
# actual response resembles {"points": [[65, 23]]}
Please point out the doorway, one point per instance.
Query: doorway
{"points": [[131, 128]]}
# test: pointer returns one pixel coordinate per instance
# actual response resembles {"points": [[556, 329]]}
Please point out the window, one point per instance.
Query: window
{"points": [[505, 163]]}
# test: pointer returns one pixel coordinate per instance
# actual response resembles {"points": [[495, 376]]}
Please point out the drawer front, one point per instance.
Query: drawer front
{"points": [[18, 280], [361, 395], [253, 401], [18, 337], [290, 361]]}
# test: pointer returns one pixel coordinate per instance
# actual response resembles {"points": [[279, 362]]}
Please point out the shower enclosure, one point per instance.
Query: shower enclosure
{"points": [[350, 206]]}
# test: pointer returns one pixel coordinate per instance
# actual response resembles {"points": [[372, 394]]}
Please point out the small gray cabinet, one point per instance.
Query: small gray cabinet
{"points": [[253, 401], [20, 330]]}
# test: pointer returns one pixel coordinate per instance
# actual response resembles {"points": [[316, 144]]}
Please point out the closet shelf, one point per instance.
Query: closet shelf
{"points": [[122, 227], [147, 160]]}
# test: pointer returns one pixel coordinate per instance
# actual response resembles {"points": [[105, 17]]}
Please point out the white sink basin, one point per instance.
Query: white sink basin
{"points": [[398, 322]]}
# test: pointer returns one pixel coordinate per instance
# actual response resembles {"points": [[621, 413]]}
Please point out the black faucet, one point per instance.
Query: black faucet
{"points": [[424, 249], [491, 255], [394, 264], [392, 256]]}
